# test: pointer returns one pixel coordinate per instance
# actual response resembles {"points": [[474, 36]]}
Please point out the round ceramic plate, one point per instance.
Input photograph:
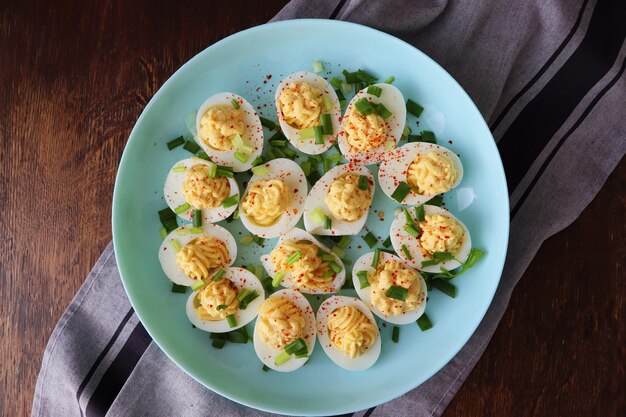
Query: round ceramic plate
{"points": [[251, 63]]}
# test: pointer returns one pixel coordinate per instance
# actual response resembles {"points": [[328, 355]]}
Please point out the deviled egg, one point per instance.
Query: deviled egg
{"points": [[225, 301], [373, 124], [301, 262], [348, 333], [392, 290], [229, 131], [428, 170], [274, 199], [194, 183], [306, 103], [440, 240], [191, 254], [284, 333], [339, 202]]}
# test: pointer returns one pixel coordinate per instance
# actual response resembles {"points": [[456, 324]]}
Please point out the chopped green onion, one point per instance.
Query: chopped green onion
{"points": [[382, 111], [419, 213], [410, 221], [328, 222], [335, 267], [401, 192], [182, 208], [363, 280], [195, 230], [395, 334], [444, 286], [351, 77], [191, 146], [203, 155], [197, 218], [218, 343], [365, 77], [247, 299], [397, 293], [281, 358], [335, 82], [221, 307], [278, 136], [343, 103], [163, 232], [258, 240], [258, 272], [306, 167], [179, 169], [182, 232], [242, 156], [265, 368], [293, 258], [295, 346], [387, 242], [370, 239], [438, 257], [176, 245], [406, 252], [333, 159], [349, 284], [424, 322], [238, 336], [233, 200], [291, 154], [406, 132], [260, 170], [250, 267], [170, 224], [364, 106], [235, 214], [175, 143], [327, 124], [242, 294], [374, 90], [279, 143], [179, 289], [246, 240], [317, 215], [364, 182], [235, 104], [267, 123], [166, 214], [344, 242], [232, 321], [307, 133], [414, 108], [258, 160], [224, 172], [278, 277], [301, 354], [236, 141], [313, 177], [376, 258], [328, 105], [198, 285], [345, 89], [318, 66], [326, 165], [212, 170], [414, 138], [338, 251], [436, 200], [319, 138], [327, 257], [390, 80], [428, 137], [218, 275]]}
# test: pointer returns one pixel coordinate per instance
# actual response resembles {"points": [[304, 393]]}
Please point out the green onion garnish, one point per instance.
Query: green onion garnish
{"points": [[424, 322], [233, 200], [218, 343], [328, 222], [232, 321], [238, 336], [340, 95], [414, 108], [444, 286], [363, 281], [180, 289], [344, 242], [258, 240], [212, 170], [327, 124], [335, 82], [195, 230], [191, 146], [301, 354], [260, 170], [175, 143], [395, 334], [338, 251], [163, 232], [411, 230], [397, 293], [221, 307], [406, 132], [313, 177], [246, 240], [203, 155], [258, 271], [224, 171], [281, 358], [242, 156], [382, 111], [247, 299], [170, 224], [401, 192], [349, 284], [326, 164], [364, 106], [406, 252], [182, 231], [236, 140], [328, 105], [197, 218], [364, 182], [294, 257], [235, 104], [258, 160], [370, 239], [179, 169], [290, 153], [374, 90], [265, 368], [278, 277], [318, 66], [335, 267], [307, 133], [387, 242], [306, 167], [242, 294], [390, 80], [376, 258], [218, 275], [351, 77], [182, 208], [317, 215], [295, 346], [279, 143], [166, 214], [327, 274], [250, 267], [327, 257], [436, 200], [437, 258], [333, 159], [278, 136], [428, 137], [176, 245], [267, 123], [419, 213], [319, 138], [235, 214], [365, 77], [414, 138]]}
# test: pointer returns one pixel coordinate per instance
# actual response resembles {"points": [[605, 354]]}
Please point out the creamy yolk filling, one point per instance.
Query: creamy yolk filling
{"points": [[309, 271], [350, 331], [266, 201], [301, 104], [219, 124], [441, 234], [345, 200], [280, 322], [394, 273], [432, 173], [215, 294], [201, 256], [202, 191], [364, 133]]}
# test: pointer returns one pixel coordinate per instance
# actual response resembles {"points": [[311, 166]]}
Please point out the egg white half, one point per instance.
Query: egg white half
{"points": [[295, 235], [252, 135], [267, 354], [393, 100], [292, 175], [243, 279], [174, 197], [316, 198], [364, 263], [399, 237], [394, 169], [167, 254], [309, 146], [360, 363]]}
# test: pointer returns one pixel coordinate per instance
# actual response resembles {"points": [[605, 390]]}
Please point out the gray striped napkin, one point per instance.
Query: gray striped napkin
{"points": [[548, 77]]}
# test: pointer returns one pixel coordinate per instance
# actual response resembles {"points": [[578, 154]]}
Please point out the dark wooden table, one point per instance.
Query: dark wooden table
{"points": [[74, 77]]}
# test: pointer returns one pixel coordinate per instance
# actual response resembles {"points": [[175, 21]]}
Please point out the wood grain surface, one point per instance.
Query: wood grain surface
{"points": [[74, 77]]}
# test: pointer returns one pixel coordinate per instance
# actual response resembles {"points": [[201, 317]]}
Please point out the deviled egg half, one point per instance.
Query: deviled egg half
{"points": [[301, 262], [348, 333], [191, 254], [339, 202], [284, 333], [373, 124], [308, 111], [273, 201], [426, 168], [195, 184], [393, 291], [229, 131], [225, 301], [430, 238]]}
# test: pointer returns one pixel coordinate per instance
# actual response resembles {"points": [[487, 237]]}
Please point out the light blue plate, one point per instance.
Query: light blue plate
{"points": [[241, 64]]}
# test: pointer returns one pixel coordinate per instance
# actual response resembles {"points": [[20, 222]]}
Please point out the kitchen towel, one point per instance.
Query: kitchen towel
{"points": [[549, 79]]}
